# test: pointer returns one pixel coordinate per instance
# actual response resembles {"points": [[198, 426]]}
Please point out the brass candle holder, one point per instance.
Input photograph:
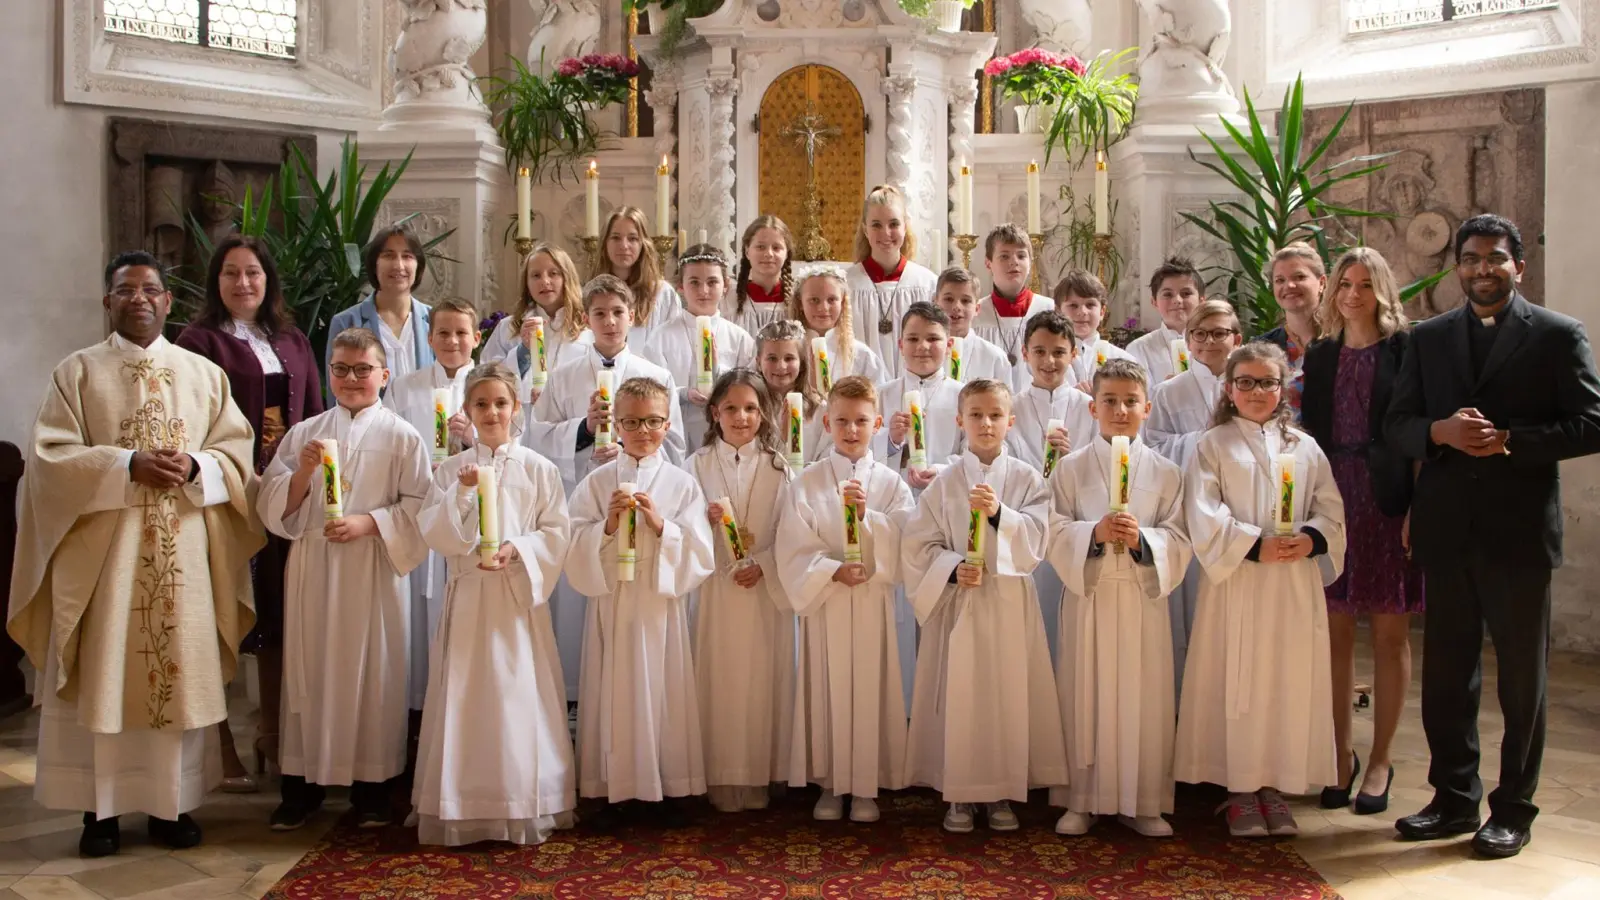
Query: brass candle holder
{"points": [[524, 247], [966, 243], [591, 249], [1036, 281], [1102, 265], [664, 244]]}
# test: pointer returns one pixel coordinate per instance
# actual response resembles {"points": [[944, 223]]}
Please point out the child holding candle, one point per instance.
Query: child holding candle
{"points": [[1176, 288], [639, 732], [839, 565], [1255, 714], [681, 345], [551, 294], [1118, 541], [429, 398], [924, 430], [984, 722], [1081, 299], [821, 302], [1008, 255], [347, 603], [627, 253], [785, 367], [744, 626], [498, 515], [957, 294], [884, 280], [765, 281]]}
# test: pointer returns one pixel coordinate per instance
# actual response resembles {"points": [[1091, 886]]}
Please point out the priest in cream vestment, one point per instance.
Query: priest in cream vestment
{"points": [[131, 589]]}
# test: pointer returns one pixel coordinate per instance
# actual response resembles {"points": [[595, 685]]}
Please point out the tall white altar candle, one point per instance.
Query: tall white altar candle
{"points": [[964, 199], [488, 515], [524, 203], [1034, 226], [663, 199], [1102, 194], [591, 201]]}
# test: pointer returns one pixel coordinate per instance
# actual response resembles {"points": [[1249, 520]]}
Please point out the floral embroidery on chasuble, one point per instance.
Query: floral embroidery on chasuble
{"points": [[144, 604]]}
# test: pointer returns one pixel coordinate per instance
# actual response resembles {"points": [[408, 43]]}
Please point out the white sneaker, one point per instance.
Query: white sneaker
{"points": [[959, 819], [1280, 822], [863, 809], [1149, 826], [1074, 823], [1001, 818], [830, 808]]}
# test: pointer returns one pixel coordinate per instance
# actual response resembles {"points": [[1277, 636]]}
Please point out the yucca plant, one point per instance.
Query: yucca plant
{"points": [[316, 232], [542, 122], [1095, 111], [1284, 190]]}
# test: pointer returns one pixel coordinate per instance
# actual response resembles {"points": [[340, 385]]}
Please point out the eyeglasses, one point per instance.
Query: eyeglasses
{"points": [[1212, 336], [362, 372], [1473, 260], [653, 423], [150, 292], [1265, 385]]}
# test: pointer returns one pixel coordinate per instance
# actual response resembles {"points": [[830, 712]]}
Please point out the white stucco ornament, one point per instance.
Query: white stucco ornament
{"points": [[1060, 25], [1180, 75], [433, 78], [566, 28]]}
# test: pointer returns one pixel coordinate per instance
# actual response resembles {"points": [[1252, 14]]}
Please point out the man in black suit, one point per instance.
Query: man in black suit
{"points": [[1489, 398]]}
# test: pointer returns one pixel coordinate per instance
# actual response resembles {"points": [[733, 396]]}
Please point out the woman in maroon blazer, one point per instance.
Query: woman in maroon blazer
{"points": [[245, 329]]}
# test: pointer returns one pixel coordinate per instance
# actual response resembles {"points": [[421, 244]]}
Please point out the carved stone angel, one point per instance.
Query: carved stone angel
{"points": [[566, 28], [1060, 25], [437, 38], [1180, 76]]}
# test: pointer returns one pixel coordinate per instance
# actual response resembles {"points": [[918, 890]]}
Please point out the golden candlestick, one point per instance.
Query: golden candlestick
{"points": [[591, 249], [812, 245], [966, 243], [664, 244], [1102, 263], [524, 247], [1036, 282]]}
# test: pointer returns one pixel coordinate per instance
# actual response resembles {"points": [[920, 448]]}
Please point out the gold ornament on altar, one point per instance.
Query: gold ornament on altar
{"points": [[811, 132]]}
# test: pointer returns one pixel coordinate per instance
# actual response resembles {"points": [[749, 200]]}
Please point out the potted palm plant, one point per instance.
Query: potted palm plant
{"points": [[543, 122]]}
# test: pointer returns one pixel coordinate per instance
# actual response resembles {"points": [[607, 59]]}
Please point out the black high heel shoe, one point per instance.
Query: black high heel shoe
{"points": [[1369, 804], [1339, 798]]}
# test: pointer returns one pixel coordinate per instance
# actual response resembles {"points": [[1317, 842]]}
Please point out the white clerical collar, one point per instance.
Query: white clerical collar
{"points": [[127, 346], [844, 469], [1168, 335], [1269, 438], [715, 314], [442, 378], [345, 415], [975, 470], [737, 455], [1203, 374], [627, 465], [1060, 393], [914, 381], [482, 453], [1102, 443]]}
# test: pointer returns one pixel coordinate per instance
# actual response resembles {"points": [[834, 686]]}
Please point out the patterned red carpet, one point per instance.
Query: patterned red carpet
{"points": [[782, 853]]}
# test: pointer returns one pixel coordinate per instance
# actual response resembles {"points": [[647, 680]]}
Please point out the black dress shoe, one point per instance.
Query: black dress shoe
{"points": [[1497, 841], [1338, 798], [1433, 823], [179, 835], [101, 837], [1371, 804], [670, 814]]}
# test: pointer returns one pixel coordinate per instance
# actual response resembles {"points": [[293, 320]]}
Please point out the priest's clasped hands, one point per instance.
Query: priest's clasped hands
{"points": [[1470, 432], [160, 469]]}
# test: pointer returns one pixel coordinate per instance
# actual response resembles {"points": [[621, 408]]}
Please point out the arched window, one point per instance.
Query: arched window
{"points": [[1366, 16], [261, 27]]}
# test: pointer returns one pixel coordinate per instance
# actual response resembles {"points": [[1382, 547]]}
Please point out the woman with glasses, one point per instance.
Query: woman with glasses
{"points": [[245, 328], [1298, 279], [1349, 378]]}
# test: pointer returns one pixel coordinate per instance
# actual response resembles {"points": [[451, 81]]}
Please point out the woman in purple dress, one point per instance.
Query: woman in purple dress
{"points": [[246, 330], [1349, 376]]}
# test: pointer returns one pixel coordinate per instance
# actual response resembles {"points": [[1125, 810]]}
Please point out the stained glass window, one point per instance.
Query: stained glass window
{"points": [[261, 27], [1388, 15]]}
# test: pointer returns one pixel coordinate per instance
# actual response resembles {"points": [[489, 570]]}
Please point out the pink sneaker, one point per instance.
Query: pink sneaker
{"points": [[1245, 818], [1280, 822]]}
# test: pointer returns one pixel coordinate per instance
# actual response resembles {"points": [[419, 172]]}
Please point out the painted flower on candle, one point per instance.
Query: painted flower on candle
{"points": [[1124, 481], [819, 348], [1099, 358], [919, 428], [441, 420], [708, 347], [955, 359], [1051, 454], [852, 528], [1285, 517], [735, 538]]}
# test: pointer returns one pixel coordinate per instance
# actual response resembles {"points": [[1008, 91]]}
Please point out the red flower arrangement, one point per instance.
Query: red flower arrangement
{"points": [[604, 75], [1035, 74]]}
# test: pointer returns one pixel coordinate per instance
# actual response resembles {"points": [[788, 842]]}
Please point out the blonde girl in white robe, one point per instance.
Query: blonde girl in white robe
{"points": [[785, 365], [744, 624], [885, 280], [1256, 711], [761, 289], [494, 762], [347, 600], [1118, 701], [850, 714], [703, 281], [1180, 413], [985, 726], [627, 252], [639, 734], [821, 302], [552, 290]]}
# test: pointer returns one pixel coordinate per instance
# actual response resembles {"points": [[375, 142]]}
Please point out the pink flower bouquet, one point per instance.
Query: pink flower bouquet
{"points": [[1036, 75]]}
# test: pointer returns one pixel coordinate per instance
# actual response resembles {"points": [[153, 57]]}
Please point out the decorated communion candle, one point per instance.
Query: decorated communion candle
{"points": [[441, 424], [852, 530], [628, 534], [795, 433], [730, 528], [819, 353], [540, 370], [1051, 455], [975, 523], [1283, 506], [1180, 357], [958, 349], [705, 359], [332, 480], [918, 436], [488, 516], [605, 381], [1121, 487]]}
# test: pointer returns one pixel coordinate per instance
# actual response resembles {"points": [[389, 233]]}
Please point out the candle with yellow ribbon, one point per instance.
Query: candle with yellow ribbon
{"points": [[1121, 487], [1180, 356], [332, 480], [1051, 454], [1283, 505], [795, 434], [819, 354], [705, 359], [628, 534], [917, 438], [605, 381], [488, 516]]}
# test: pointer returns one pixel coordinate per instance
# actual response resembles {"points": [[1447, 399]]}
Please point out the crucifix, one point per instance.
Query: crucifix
{"points": [[811, 133]]}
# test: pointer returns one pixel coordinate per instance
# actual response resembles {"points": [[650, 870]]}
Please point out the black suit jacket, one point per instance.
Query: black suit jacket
{"points": [[1539, 384], [1390, 470]]}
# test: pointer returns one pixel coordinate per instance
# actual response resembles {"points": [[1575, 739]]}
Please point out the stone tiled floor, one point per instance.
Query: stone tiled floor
{"points": [[1359, 855]]}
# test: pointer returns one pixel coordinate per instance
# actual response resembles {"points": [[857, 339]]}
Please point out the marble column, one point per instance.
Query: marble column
{"points": [[899, 90], [722, 86]]}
